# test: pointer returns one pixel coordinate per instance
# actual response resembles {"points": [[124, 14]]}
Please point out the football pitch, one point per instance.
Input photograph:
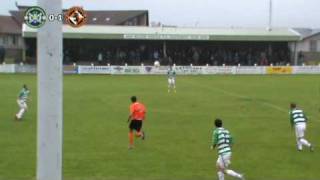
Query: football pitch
{"points": [[178, 127]]}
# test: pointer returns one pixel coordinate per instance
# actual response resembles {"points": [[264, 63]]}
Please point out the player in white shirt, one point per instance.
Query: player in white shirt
{"points": [[298, 120], [22, 102], [171, 79], [222, 141]]}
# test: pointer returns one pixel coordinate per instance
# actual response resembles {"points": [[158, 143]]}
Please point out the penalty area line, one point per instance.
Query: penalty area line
{"points": [[273, 106], [232, 94]]}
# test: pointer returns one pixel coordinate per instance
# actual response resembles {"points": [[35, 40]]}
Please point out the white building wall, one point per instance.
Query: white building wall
{"points": [[317, 39], [303, 45]]}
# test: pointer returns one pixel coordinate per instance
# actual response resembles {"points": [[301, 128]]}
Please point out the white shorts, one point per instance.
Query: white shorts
{"points": [[300, 128], [224, 161], [171, 81], [22, 104]]}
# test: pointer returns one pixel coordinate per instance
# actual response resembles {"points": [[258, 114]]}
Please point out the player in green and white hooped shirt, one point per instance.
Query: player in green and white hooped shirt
{"points": [[298, 120], [222, 140], [22, 101], [171, 79]]}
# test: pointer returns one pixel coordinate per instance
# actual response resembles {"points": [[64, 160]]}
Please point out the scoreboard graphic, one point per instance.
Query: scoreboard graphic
{"points": [[35, 17]]}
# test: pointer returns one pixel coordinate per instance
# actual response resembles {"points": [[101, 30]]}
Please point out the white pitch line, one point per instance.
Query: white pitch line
{"points": [[273, 106], [270, 105]]}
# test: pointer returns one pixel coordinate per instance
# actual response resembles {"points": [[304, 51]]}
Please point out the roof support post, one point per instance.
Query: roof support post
{"points": [[164, 49]]}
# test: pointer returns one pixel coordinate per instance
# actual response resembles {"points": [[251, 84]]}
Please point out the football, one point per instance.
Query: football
{"points": [[156, 63]]}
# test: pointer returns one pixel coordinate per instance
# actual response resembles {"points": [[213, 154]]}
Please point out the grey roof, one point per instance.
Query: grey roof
{"points": [[306, 32], [112, 17], [173, 33], [9, 26]]}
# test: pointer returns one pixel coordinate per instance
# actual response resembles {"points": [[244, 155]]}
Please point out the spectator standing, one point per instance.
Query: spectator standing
{"points": [[263, 60], [2, 54], [100, 58], [195, 57], [155, 55]]}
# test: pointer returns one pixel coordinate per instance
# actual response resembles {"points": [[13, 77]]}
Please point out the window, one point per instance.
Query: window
{"points": [[129, 23], [14, 40], [5, 40], [313, 45], [10, 39], [135, 21]]}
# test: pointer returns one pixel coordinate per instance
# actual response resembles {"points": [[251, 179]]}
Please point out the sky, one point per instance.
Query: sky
{"points": [[206, 13]]}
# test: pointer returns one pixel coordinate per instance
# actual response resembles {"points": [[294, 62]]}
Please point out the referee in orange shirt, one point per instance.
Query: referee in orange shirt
{"points": [[136, 117]]}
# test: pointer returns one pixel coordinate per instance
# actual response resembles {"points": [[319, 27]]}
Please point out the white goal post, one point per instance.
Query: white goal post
{"points": [[50, 91]]}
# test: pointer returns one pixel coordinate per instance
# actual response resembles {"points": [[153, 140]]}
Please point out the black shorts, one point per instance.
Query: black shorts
{"points": [[135, 125]]}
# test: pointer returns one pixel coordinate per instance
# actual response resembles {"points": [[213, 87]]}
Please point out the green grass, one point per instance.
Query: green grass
{"points": [[254, 109]]}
